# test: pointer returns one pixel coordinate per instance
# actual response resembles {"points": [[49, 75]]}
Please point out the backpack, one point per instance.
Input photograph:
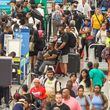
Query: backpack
{"points": [[72, 40], [105, 101], [56, 82], [105, 53]]}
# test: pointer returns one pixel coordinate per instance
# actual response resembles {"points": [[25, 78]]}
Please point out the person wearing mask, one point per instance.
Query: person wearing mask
{"points": [[96, 21], [83, 99], [75, 15], [74, 5], [59, 103], [70, 101], [97, 76], [99, 100], [85, 81], [75, 84]]}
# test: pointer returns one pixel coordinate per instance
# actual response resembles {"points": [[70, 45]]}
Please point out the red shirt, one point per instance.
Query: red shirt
{"points": [[39, 92]]}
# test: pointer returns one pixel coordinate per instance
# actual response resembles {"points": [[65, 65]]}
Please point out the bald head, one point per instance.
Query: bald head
{"points": [[66, 93]]}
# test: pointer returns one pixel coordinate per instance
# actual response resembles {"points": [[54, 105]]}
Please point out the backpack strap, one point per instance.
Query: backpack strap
{"points": [[105, 101], [98, 20], [56, 82]]}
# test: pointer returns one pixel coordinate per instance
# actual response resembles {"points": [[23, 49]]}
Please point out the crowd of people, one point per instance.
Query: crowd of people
{"points": [[74, 26], [78, 93]]}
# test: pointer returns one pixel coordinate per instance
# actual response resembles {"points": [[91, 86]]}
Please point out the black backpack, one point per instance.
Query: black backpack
{"points": [[72, 40]]}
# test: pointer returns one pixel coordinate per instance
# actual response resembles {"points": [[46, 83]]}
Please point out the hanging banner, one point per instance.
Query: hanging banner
{"points": [[25, 35]]}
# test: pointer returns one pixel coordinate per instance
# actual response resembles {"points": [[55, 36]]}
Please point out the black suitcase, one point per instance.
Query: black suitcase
{"points": [[73, 63]]}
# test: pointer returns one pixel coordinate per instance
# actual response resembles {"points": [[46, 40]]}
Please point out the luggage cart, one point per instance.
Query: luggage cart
{"points": [[102, 65]]}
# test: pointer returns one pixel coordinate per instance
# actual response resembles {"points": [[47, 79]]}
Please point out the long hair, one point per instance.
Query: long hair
{"points": [[87, 81]]}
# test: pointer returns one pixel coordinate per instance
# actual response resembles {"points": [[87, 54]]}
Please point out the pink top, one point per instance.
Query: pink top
{"points": [[72, 103]]}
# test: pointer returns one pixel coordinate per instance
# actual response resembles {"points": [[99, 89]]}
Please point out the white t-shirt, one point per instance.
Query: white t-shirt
{"points": [[34, 22], [84, 9], [102, 35], [41, 11]]}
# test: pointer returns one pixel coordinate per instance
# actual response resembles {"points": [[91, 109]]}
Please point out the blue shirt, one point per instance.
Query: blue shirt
{"points": [[97, 102]]}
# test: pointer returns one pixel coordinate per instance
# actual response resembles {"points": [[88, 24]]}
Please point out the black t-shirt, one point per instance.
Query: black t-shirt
{"points": [[65, 38], [52, 52], [61, 107]]}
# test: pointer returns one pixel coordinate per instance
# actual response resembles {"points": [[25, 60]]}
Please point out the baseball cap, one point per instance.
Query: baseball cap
{"points": [[75, 1]]}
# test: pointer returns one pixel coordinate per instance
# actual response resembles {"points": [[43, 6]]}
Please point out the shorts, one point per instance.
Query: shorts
{"points": [[64, 59]]}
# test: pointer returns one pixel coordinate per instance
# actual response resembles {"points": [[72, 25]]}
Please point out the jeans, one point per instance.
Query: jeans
{"points": [[5, 92], [94, 32], [84, 43]]}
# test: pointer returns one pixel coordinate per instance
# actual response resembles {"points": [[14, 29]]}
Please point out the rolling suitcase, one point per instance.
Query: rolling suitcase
{"points": [[73, 63]]}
